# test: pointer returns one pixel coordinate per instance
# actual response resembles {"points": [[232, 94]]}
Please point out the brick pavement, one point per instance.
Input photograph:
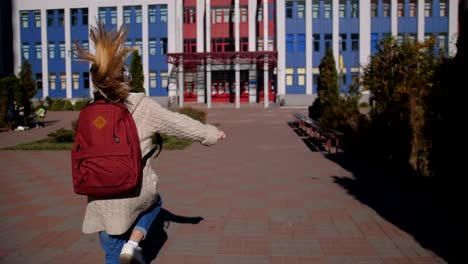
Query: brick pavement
{"points": [[264, 195]]}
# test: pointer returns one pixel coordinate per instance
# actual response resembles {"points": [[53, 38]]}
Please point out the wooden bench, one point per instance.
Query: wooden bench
{"points": [[314, 129]]}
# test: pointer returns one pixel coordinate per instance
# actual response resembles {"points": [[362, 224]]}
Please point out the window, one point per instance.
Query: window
{"points": [[163, 14], [39, 80], [113, 14], [85, 45], [244, 42], [152, 46], [24, 19], [163, 44], [51, 50], [316, 42], [102, 15], [164, 79], [138, 15], [428, 8], [139, 44], [260, 14], [84, 16], [61, 17], [374, 42], [152, 79], [386, 8], [38, 50], [76, 81], [289, 43], [343, 42], [190, 15], [442, 42], [63, 81], [127, 15], [243, 13], [190, 45], [300, 43], [289, 9], [289, 76], [354, 8], [37, 18], [52, 79], [373, 8], [25, 50], [74, 16], [260, 44], [300, 9], [315, 8], [343, 78], [62, 49], [443, 8], [152, 13], [327, 8], [355, 42], [128, 43], [401, 8], [301, 76], [50, 18], [328, 41], [86, 80], [412, 8], [342, 9]]}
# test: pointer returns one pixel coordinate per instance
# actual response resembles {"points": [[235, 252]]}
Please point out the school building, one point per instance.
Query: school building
{"points": [[223, 51]]}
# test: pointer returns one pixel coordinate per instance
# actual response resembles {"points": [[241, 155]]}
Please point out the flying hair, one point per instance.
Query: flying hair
{"points": [[108, 61]]}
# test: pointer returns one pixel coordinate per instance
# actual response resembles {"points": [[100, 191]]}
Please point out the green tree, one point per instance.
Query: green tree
{"points": [[27, 87], [136, 69], [400, 77], [9, 92], [327, 103]]}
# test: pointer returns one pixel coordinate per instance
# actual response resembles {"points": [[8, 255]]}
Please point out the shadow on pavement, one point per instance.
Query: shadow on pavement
{"points": [[313, 144], [157, 234], [418, 206]]}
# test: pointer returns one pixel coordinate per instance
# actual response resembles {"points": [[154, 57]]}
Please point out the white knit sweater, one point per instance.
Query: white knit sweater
{"points": [[115, 216]]}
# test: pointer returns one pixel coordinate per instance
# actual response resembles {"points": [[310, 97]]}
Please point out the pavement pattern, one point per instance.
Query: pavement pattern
{"points": [[263, 194]]}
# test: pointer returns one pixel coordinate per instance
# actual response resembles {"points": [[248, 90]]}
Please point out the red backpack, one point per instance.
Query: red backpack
{"points": [[106, 156]]}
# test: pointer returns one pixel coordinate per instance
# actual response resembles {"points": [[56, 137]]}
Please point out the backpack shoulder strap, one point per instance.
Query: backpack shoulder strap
{"points": [[157, 147]]}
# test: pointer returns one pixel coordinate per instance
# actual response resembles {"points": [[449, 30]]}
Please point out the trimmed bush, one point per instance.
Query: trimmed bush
{"points": [[62, 136], [197, 114]]}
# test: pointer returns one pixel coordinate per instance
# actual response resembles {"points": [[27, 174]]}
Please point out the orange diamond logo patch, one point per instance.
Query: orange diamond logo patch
{"points": [[99, 122]]}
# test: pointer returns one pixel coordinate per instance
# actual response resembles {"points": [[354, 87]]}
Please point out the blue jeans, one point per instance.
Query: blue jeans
{"points": [[112, 244]]}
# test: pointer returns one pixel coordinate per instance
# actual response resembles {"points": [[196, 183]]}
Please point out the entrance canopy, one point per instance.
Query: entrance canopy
{"points": [[192, 59]]}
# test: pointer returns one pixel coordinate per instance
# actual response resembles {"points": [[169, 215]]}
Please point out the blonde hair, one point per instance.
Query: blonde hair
{"points": [[108, 61]]}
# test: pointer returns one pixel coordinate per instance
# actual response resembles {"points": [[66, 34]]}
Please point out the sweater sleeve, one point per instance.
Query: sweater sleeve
{"points": [[157, 119]]}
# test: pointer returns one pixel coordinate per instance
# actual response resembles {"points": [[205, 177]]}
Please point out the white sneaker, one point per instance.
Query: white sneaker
{"points": [[131, 255]]}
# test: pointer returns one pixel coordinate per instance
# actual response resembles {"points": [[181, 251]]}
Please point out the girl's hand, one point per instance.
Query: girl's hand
{"points": [[221, 135]]}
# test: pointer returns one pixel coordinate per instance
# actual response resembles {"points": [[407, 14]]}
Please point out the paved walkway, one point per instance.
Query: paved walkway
{"points": [[264, 196]]}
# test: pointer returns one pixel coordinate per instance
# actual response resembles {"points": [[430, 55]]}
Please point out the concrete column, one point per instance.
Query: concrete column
{"points": [[180, 25], [281, 45], [237, 49], [208, 26], [68, 55], [181, 81], [420, 14], [252, 25], [200, 25], [92, 13], [364, 33], [17, 39], [453, 27], [119, 15], [145, 48], [336, 29], [309, 46], [265, 48], [208, 49], [45, 54], [394, 17], [208, 82]]}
